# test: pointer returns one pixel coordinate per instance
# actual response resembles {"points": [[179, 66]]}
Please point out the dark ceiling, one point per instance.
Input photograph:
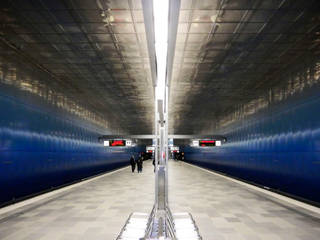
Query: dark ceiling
{"points": [[93, 52], [231, 53], [91, 57]]}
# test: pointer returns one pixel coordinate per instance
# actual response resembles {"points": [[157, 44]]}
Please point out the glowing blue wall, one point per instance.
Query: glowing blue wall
{"points": [[42, 146], [279, 147]]}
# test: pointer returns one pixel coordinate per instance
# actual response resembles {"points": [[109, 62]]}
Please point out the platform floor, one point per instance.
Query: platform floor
{"points": [[225, 210], [97, 210]]}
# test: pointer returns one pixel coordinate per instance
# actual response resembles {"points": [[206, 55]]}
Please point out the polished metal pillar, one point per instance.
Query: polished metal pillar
{"points": [[161, 224]]}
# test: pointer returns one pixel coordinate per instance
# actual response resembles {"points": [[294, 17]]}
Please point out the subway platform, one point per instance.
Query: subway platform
{"points": [[98, 208]]}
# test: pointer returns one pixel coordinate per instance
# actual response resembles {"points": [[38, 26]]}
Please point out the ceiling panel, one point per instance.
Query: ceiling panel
{"points": [[95, 49], [226, 51], [94, 55]]}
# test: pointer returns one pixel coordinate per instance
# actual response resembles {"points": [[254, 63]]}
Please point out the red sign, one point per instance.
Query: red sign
{"points": [[207, 143], [116, 143]]}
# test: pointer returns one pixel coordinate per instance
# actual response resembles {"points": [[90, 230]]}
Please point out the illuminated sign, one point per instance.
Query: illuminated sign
{"points": [[117, 143], [150, 149], [207, 143], [174, 149], [195, 143], [106, 143]]}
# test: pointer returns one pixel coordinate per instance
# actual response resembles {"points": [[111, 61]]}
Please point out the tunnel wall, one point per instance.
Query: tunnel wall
{"points": [[278, 147], [44, 147]]}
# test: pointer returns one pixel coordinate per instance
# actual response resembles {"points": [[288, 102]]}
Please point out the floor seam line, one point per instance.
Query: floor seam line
{"points": [[24, 203], [280, 197]]}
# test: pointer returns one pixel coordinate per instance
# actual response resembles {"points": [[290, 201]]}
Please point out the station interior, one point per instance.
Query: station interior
{"points": [[160, 119]]}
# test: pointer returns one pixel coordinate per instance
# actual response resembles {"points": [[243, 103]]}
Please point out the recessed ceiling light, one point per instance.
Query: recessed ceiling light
{"points": [[161, 13]]}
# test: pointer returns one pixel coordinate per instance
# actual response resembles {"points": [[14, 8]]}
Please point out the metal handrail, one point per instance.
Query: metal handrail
{"points": [[170, 230], [151, 215], [124, 227], [150, 222], [170, 227], [169, 224], [195, 225], [170, 215]]}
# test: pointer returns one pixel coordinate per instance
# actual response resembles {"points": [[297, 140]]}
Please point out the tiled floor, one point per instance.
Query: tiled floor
{"points": [[94, 211], [98, 209], [226, 210]]}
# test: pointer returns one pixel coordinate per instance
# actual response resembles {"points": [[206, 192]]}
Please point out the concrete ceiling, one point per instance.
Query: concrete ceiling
{"points": [[231, 52], [94, 51], [91, 57]]}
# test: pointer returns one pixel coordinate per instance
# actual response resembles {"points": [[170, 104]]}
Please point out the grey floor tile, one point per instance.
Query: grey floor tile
{"points": [[235, 211], [98, 210]]}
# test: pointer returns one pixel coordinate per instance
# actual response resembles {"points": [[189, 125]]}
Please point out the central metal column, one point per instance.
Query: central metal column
{"points": [[161, 198], [161, 173], [161, 224], [162, 149]]}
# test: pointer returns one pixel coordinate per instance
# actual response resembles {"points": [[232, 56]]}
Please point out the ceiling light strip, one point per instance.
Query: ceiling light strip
{"points": [[174, 10], [147, 7], [161, 22]]}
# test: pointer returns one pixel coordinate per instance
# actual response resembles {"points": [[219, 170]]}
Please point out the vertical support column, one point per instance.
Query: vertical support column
{"points": [[159, 222], [161, 164], [156, 151], [166, 110], [161, 173]]}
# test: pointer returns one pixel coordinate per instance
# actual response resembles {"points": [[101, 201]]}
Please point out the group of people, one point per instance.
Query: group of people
{"points": [[138, 162], [178, 156]]}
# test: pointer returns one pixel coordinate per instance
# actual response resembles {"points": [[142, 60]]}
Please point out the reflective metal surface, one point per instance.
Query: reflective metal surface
{"points": [[232, 58], [235, 57], [89, 57]]}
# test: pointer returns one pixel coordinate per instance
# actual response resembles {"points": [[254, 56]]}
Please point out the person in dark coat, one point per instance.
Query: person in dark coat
{"points": [[140, 164], [132, 163]]}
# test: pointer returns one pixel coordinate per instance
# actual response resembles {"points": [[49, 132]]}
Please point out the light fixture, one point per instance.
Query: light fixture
{"points": [[160, 14]]}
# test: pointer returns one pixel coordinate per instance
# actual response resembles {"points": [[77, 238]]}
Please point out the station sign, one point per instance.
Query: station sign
{"points": [[206, 143], [195, 143], [150, 148], [115, 143], [174, 149], [128, 143]]}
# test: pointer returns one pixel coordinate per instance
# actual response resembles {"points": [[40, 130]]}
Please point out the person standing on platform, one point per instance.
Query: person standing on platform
{"points": [[140, 164], [182, 156], [132, 163]]}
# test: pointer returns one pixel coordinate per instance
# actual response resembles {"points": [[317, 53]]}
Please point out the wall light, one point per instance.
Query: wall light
{"points": [[161, 15]]}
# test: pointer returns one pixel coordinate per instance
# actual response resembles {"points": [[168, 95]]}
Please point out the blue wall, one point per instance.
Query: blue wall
{"points": [[278, 147], [42, 146]]}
